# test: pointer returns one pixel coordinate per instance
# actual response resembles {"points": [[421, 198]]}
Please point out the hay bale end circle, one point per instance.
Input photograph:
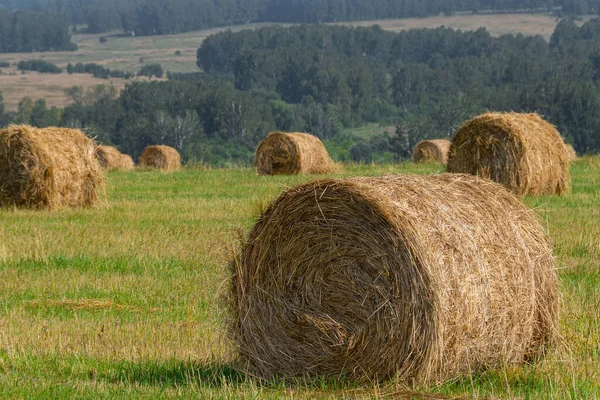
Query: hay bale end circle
{"points": [[433, 151], [48, 168], [420, 278], [521, 151], [282, 153], [161, 157]]}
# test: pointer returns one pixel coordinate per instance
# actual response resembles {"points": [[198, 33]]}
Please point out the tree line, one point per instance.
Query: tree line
{"points": [[29, 31], [158, 17]]}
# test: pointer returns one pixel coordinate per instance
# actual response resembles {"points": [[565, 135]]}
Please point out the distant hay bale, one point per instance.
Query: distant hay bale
{"points": [[431, 151], [282, 153], [522, 151], [127, 163], [47, 168], [108, 157], [424, 278], [571, 151], [162, 157]]}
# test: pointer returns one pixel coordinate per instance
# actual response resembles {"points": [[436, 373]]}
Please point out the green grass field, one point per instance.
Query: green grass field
{"points": [[122, 300]]}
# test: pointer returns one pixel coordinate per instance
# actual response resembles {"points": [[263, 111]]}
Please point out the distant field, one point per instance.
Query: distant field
{"points": [[130, 53], [121, 301]]}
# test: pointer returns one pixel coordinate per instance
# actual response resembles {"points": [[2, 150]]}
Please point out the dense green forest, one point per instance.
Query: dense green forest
{"points": [[29, 31], [328, 79], [157, 17]]}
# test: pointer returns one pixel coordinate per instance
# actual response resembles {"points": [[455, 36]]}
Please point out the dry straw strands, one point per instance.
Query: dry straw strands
{"points": [[111, 158], [522, 151], [127, 162], [571, 151], [162, 157], [421, 277], [283, 153], [431, 151], [47, 168]]}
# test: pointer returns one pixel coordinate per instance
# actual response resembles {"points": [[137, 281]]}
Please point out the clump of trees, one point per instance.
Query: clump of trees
{"points": [[39, 66]]}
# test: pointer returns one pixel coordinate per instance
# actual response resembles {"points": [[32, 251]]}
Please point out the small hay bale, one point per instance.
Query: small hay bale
{"points": [[108, 157], [521, 151], [432, 151], [47, 168], [162, 157], [571, 151], [282, 153], [425, 278], [127, 163]]}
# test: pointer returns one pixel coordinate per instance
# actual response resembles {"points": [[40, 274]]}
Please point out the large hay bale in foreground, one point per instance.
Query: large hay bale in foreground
{"points": [[162, 157], [431, 151], [522, 151], [47, 168], [423, 277], [108, 157], [282, 153], [127, 163]]}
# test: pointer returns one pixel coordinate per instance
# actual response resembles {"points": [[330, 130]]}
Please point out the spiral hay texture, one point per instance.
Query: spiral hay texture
{"points": [[161, 157], [283, 153], [47, 168], [421, 277], [521, 151], [431, 151]]}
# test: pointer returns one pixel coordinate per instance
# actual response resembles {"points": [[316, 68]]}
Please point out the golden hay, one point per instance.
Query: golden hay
{"points": [[283, 153], [162, 157], [521, 151], [571, 151], [425, 278], [431, 151], [127, 162], [47, 168], [108, 157]]}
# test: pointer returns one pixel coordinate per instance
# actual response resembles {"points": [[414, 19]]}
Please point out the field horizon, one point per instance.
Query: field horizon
{"points": [[177, 53]]}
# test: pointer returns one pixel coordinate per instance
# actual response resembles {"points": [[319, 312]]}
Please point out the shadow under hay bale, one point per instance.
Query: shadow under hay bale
{"points": [[161, 157], [283, 153], [433, 151], [521, 151], [47, 168], [425, 278], [127, 163]]}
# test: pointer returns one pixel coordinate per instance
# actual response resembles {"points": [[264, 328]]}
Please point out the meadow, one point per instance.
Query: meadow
{"points": [[124, 300]]}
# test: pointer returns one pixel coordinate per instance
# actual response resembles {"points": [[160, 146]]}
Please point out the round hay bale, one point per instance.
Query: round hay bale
{"points": [[282, 153], [521, 151], [108, 157], [571, 151], [127, 163], [162, 157], [432, 151], [47, 168], [421, 277]]}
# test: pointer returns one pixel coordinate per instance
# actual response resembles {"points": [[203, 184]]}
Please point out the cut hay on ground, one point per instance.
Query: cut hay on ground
{"points": [[433, 151], [283, 153], [521, 151], [571, 151], [127, 163], [47, 168], [421, 277], [162, 157]]}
